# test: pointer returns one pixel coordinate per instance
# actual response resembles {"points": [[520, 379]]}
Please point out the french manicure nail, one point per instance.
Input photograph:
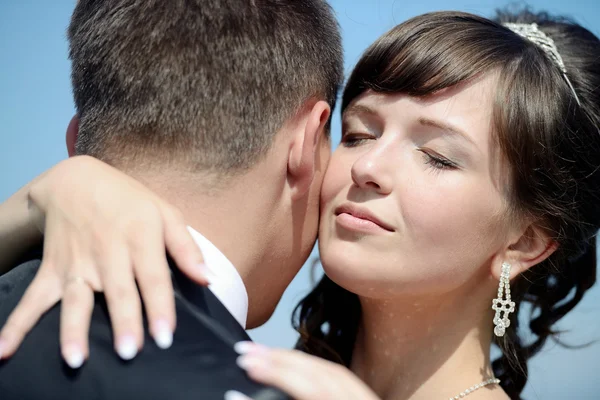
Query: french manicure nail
{"points": [[243, 347], [74, 356], [206, 273], [247, 362], [163, 337], [235, 395], [127, 347]]}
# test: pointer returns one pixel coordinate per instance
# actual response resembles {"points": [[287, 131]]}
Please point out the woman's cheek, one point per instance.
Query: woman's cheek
{"points": [[428, 205], [448, 212], [336, 178]]}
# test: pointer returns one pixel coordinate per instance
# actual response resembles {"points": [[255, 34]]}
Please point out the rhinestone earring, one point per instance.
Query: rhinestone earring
{"points": [[503, 307]]}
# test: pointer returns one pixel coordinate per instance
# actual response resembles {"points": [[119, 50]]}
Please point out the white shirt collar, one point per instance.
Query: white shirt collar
{"points": [[225, 281]]}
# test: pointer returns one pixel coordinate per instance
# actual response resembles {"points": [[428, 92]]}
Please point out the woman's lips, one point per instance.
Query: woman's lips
{"points": [[360, 220]]}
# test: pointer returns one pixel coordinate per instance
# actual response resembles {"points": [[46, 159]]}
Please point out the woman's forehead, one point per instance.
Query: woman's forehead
{"points": [[461, 108]]}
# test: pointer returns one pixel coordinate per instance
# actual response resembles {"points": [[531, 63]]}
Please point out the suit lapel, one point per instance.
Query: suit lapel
{"points": [[206, 303]]}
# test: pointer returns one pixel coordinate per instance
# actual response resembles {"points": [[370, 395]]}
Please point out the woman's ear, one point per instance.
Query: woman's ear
{"points": [[533, 246], [72, 134]]}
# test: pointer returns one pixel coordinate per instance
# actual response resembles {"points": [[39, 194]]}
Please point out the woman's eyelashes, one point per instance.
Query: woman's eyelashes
{"points": [[437, 161], [352, 139]]}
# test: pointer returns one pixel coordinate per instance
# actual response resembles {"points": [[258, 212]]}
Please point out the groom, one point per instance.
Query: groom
{"points": [[222, 107]]}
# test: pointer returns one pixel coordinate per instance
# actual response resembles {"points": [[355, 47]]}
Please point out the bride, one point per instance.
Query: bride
{"points": [[470, 155]]}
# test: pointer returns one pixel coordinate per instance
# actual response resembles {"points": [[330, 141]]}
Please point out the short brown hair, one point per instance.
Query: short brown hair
{"points": [[204, 83]]}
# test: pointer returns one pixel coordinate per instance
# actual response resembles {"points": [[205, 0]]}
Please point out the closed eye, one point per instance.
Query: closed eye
{"points": [[355, 139], [437, 161]]}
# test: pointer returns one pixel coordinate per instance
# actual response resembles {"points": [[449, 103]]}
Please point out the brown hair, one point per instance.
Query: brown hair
{"points": [[551, 143], [202, 83]]}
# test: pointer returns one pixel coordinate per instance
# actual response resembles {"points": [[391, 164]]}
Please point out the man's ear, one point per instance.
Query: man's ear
{"points": [[72, 134], [304, 150], [533, 246]]}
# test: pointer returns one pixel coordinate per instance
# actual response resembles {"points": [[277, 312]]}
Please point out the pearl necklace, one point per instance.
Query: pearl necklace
{"points": [[473, 388]]}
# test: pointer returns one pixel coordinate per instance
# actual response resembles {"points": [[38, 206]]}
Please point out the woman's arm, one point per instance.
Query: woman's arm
{"points": [[19, 231], [92, 236]]}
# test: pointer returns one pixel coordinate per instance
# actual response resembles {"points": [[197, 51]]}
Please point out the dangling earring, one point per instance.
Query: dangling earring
{"points": [[503, 307]]}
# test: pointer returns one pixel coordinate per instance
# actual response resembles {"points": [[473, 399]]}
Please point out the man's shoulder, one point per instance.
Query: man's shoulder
{"points": [[200, 364], [14, 283], [23, 271]]}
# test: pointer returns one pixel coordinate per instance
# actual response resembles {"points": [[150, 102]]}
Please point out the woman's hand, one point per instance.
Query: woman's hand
{"points": [[300, 375], [103, 231]]}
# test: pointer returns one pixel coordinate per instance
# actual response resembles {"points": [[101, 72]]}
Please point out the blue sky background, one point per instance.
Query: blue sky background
{"points": [[36, 106]]}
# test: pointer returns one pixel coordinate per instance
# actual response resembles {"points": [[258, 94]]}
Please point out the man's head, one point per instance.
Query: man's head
{"points": [[203, 83], [239, 89]]}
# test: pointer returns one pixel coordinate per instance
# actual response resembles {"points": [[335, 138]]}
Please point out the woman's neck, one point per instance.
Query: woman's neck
{"points": [[425, 348]]}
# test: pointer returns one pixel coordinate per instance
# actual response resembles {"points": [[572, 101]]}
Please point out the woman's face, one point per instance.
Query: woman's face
{"points": [[412, 201]]}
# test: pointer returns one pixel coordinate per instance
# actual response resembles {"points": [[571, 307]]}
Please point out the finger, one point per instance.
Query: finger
{"points": [[235, 395], [40, 296], [182, 247], [328, 380], [75, 318], [154, 280], [123, 301], [44, 291], [286, 371], [302, 376]]}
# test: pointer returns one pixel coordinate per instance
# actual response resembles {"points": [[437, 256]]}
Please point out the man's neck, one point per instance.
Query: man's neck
{"points": [[238, 216], [231, 217]]}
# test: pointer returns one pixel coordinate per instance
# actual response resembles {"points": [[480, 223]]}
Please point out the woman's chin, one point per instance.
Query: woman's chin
{"points": [[370, 276], [356, 275]]}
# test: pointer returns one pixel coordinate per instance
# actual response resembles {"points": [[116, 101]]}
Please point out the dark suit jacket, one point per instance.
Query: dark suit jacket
{"points": [[199, 365]]}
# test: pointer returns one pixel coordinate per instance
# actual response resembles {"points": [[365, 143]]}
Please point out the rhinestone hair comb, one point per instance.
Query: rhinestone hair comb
{"points": [[532, 33]]}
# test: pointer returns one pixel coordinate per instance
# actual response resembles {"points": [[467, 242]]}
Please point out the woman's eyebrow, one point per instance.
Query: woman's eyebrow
{"points": [[448, 128], [359, 109], [368, 116]]}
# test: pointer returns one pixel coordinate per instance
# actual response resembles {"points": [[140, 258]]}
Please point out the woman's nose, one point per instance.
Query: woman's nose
{"points": [[371, 172]]}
